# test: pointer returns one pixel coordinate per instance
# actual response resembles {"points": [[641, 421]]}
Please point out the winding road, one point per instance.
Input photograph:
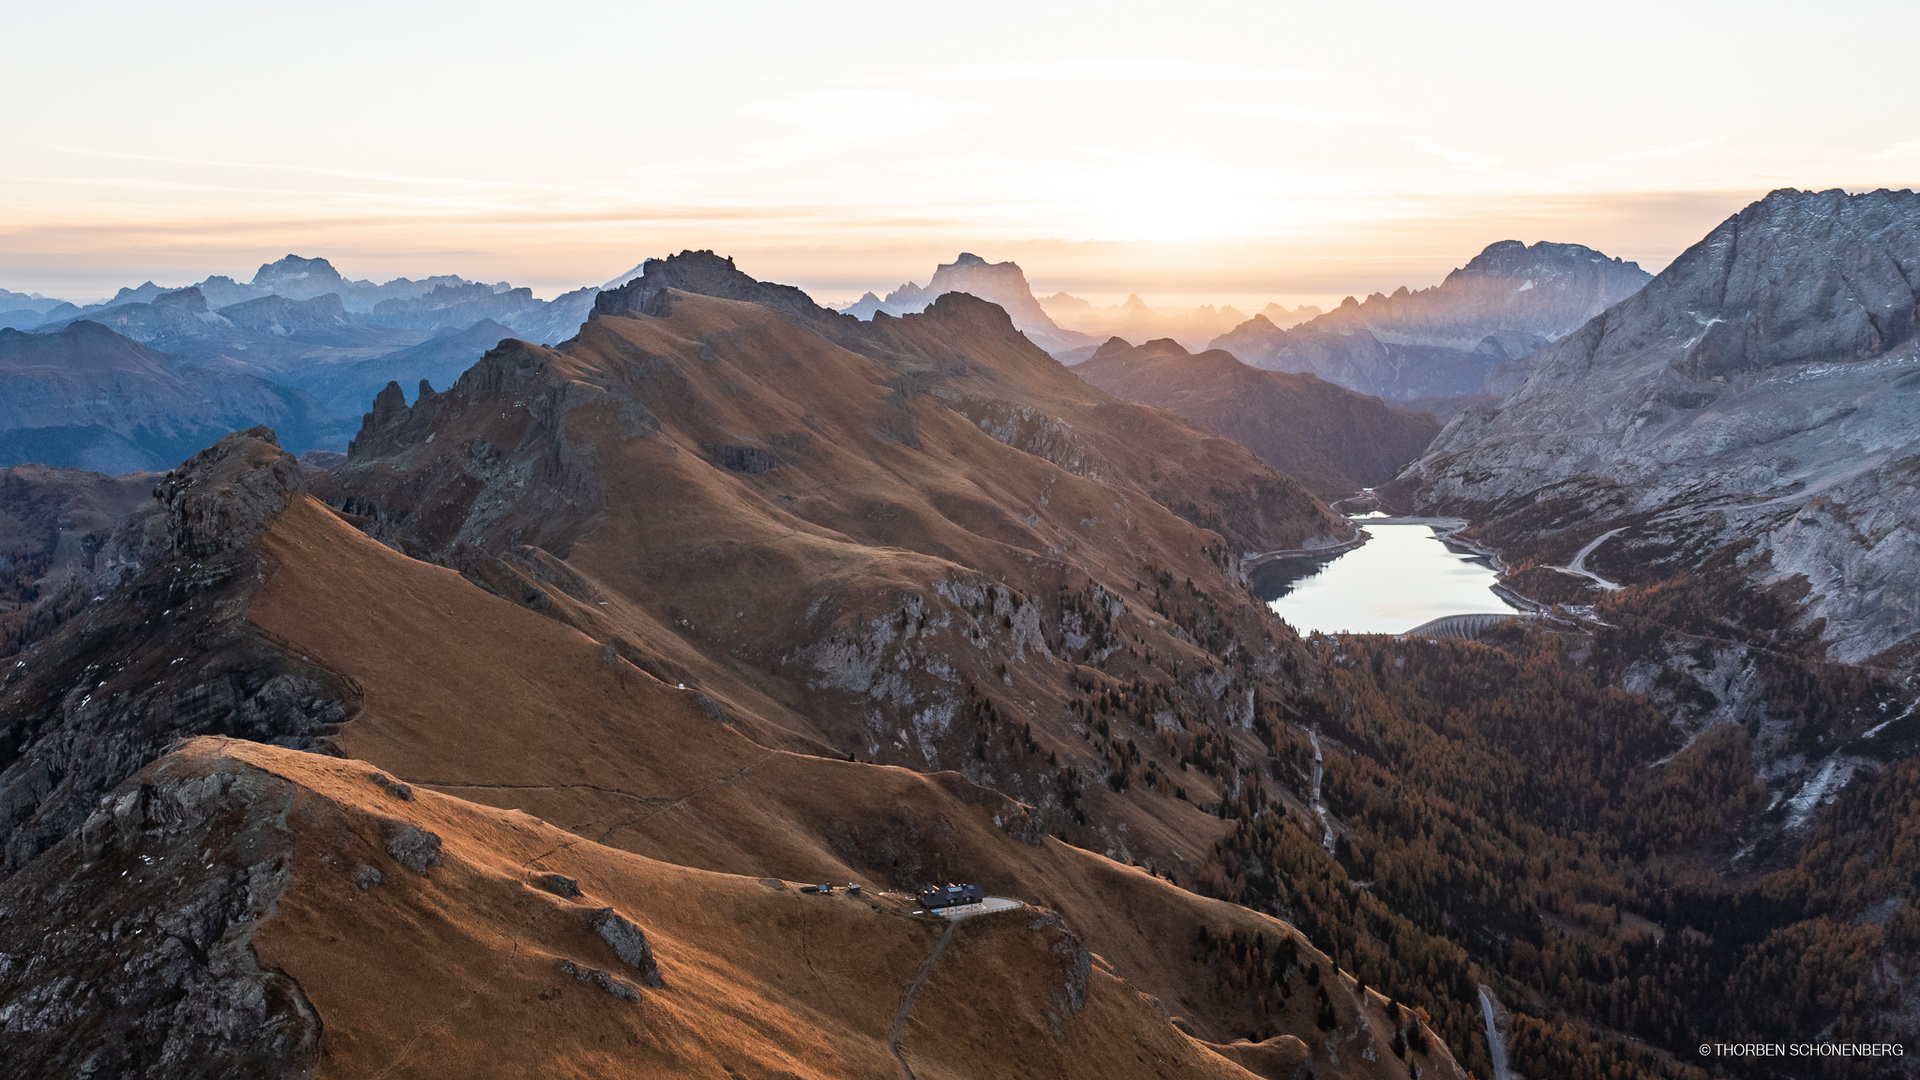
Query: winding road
{"points": [[1578, 567]]}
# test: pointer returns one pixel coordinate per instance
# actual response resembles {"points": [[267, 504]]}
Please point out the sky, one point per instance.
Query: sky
{"points": [[1230, 152]]}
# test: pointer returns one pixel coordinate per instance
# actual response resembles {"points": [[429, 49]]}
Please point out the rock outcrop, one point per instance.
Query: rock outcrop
{"points": [[127, 950], [166, 655], [706, 274], [1760, 394]]}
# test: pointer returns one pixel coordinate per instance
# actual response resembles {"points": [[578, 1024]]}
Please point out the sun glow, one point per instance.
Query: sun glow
{"points": [[559, 146]]}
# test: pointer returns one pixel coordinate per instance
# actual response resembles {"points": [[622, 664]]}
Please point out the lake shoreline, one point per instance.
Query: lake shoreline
{"points": [[1400, 574]]}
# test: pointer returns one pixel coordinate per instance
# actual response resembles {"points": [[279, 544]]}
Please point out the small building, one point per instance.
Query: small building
{"points": [[953, 896]]}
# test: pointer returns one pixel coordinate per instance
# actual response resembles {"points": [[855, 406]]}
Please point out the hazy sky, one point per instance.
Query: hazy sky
{"points": [[1229, 152]]}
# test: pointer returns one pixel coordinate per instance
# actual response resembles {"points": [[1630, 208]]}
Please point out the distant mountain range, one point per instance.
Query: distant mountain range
{"points": [[435, 303], [29, 309], [1330, 438], [320, 346], [1135, 320], [1468, 338], [1437, 349], [1065, 325], [146, 377], [999, 283]]}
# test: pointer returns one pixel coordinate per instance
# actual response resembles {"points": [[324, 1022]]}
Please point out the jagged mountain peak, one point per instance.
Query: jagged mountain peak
{"points": [[1516, 259], [1426, 344], [1001, 283], [187, 299], [290, 269]]}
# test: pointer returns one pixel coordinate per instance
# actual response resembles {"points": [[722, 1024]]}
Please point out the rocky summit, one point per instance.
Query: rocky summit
{"points": [[1756, 400]]}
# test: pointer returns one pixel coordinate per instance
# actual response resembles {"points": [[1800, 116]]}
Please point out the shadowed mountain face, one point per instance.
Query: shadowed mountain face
{"points": [[91, 397], [1759, 396], [747, 599], [1470, 336], [1326, 436], [66, 536]]}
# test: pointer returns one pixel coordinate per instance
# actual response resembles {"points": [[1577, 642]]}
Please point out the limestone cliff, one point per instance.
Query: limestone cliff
{"points": [[1759, 394]]}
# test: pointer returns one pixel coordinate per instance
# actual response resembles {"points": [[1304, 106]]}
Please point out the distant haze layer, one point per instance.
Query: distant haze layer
{"points": [[1250, 151]]}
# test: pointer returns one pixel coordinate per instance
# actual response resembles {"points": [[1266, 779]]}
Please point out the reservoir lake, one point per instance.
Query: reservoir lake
{"points": [[1405, 576]]}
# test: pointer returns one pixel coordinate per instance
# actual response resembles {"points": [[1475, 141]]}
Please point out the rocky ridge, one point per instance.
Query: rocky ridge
{"points": [[128, 950], [169, 653]]}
